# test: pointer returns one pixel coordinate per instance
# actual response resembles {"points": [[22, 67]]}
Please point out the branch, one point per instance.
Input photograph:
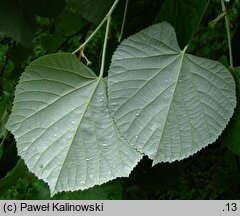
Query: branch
{"points": [[228, 33]]}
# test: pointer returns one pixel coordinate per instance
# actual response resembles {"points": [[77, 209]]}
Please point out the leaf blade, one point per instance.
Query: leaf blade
{"points": [[159, 95], [63, 127]]}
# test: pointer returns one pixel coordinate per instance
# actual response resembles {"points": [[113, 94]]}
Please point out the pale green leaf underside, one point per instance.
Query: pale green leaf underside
{"points": [[167, 103], [63, 127]]}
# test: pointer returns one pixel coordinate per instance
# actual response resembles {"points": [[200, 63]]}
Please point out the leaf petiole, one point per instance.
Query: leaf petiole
{"points": [[123, 22], [82, 46], [104, 47]]}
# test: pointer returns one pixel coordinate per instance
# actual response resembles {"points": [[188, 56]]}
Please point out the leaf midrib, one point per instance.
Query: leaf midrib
{"points": [[182, 54], [42, 109], [80, 121]]}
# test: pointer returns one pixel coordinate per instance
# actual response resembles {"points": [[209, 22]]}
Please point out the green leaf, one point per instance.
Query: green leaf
{"points": [[92, 10], [108, 191], [230, 137], [38, 190], [3, 118], [63, 127], [53, 42], [70, 22], [12, 176], [166, 103], [45, 8], [15, 22], [184, 16]]}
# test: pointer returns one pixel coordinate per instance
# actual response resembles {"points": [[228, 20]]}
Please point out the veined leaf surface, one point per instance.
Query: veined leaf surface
{"points": [[63, 127], [168, 104]]}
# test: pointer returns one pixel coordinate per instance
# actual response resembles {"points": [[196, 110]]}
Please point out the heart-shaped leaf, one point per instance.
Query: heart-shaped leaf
{"points": [[167, 103], [63, 127]]}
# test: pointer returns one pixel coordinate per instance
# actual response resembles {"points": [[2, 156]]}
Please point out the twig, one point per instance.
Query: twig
{"points": [[123, 22]]}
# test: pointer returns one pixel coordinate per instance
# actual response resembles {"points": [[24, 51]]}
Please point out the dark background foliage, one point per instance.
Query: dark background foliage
{"points": [[30, 29]]}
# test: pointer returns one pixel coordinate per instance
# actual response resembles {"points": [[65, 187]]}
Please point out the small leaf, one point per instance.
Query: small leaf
{"points": [[166, 103], [184, 16], [63, 127]]}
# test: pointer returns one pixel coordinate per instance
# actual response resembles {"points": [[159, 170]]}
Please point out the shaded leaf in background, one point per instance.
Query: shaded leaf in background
{"points": [[230, 137], [63, 128], [141, 14], [168, 104], [3, 116], [12, 176], [70, 22], [162, 176], [184, 16], [45, 8], [7, 162], [15, 22], [92, 10], [52, 42], [111, 190], [108, 191], [19, 54], [38, 190]]}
